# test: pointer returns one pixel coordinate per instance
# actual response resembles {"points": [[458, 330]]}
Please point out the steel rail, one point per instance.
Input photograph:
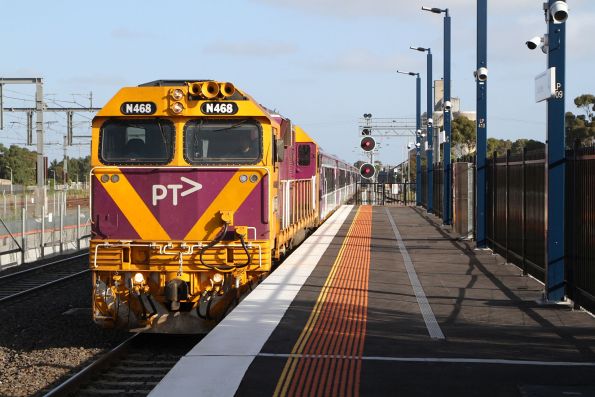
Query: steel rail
{"points": [[8, 276], [73, 383], [28, 290]]}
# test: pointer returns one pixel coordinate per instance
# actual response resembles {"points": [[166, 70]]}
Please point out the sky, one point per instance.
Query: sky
{"points": [[322, 63]]}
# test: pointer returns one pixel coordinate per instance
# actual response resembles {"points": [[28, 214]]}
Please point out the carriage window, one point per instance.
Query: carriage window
{"points": [[304, 155], [137, 141], [222, 142]]}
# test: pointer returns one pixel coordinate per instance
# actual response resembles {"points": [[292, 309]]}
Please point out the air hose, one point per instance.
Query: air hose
{"points": [[216, 241]]}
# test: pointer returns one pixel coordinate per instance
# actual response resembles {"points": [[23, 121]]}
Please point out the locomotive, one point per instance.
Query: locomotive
{"points": [[197, 190]]}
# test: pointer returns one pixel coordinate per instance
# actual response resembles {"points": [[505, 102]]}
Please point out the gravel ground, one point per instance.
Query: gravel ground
{"points": [[49, 335]]}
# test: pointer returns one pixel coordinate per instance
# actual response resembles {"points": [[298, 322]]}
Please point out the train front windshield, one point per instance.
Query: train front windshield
{"points": [[143, 141], [223, 142]]}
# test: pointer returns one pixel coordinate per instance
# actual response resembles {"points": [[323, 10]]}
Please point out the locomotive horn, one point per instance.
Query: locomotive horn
{"points": [[194, 89], [227, 89], [209, 89]]}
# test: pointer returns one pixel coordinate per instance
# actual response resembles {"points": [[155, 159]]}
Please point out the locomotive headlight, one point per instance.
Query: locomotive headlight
{"points": [[218, 278], [138, 278], [104, 178], [243, 178], [115, 178], [177, 107], [176, 94], [253, 178]]}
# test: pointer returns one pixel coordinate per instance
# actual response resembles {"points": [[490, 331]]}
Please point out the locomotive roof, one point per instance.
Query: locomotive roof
{"points": [[170, 83]]}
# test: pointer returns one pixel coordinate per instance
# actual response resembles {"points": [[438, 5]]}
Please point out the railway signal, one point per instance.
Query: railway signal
{"points": [[366, 131], [367, 144], [367, 170]]}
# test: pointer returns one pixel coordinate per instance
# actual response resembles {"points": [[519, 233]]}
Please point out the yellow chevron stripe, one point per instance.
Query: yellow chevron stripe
{"points": [[134, 208], [230, 198]]}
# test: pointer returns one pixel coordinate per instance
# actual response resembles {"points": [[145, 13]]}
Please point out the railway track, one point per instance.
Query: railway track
{"points": [[35, 278], [132, 369]]}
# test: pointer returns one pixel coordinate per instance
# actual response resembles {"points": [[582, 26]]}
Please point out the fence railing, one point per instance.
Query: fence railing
{"points": [[35, 225], [371, 193], [580, 226]]}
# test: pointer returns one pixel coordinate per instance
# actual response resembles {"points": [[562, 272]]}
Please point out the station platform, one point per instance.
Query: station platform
{"points": [[383, 301]]}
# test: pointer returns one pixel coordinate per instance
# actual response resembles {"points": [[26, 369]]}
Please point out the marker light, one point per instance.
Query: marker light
{"points": [[115, 178], [243, 178], [253, 178], [177, 94], [104, 178], [177, 107]]}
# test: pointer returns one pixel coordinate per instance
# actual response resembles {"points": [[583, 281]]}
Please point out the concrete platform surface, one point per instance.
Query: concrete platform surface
{"points": [[384, 301]]}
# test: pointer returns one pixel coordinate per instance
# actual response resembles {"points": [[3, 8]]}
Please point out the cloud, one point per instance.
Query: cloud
{"points": [[397, 9], [127, 34], [361, 60], [251, 49]]}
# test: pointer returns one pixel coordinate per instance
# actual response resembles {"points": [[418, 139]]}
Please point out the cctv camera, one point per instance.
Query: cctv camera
{"points": [[533, 43], [482, 74], [559, 12], [408, 146], [417, 145], [447, 105], [430, 121]]}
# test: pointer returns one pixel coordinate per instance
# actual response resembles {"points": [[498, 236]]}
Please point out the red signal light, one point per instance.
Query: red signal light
{"points": [[367, 143], [367, 170]]}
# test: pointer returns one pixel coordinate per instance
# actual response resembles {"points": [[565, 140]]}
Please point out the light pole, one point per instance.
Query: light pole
{"points": [[556, 14], [429, 134], [446, 213], [10, 178], [481, 76], [417, 134]]}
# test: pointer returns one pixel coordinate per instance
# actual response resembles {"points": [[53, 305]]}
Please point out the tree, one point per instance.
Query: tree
{"points": [[587, 103], [498, 145], [529, 144], [463, 133]]}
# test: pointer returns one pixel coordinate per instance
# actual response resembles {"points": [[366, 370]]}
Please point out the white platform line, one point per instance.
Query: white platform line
{"points": [[452, 360], [424, 306], [217, 364]]}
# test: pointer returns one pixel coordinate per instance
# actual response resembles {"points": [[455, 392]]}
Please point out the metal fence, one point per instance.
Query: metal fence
{"points": [[516, 214], [438, 196], [373, 193], [36, 223], [580, 226], [516, 226], [516, 209]]}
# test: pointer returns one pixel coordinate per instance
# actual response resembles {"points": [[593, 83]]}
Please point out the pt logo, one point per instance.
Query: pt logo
{"points": [[160, 192]]}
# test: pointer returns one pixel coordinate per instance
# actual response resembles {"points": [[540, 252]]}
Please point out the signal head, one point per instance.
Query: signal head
{"points": [[367, 170], [367, 144]]}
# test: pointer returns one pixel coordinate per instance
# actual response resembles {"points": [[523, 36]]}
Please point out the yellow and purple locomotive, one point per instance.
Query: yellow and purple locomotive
{"points": [[196, 191]]}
